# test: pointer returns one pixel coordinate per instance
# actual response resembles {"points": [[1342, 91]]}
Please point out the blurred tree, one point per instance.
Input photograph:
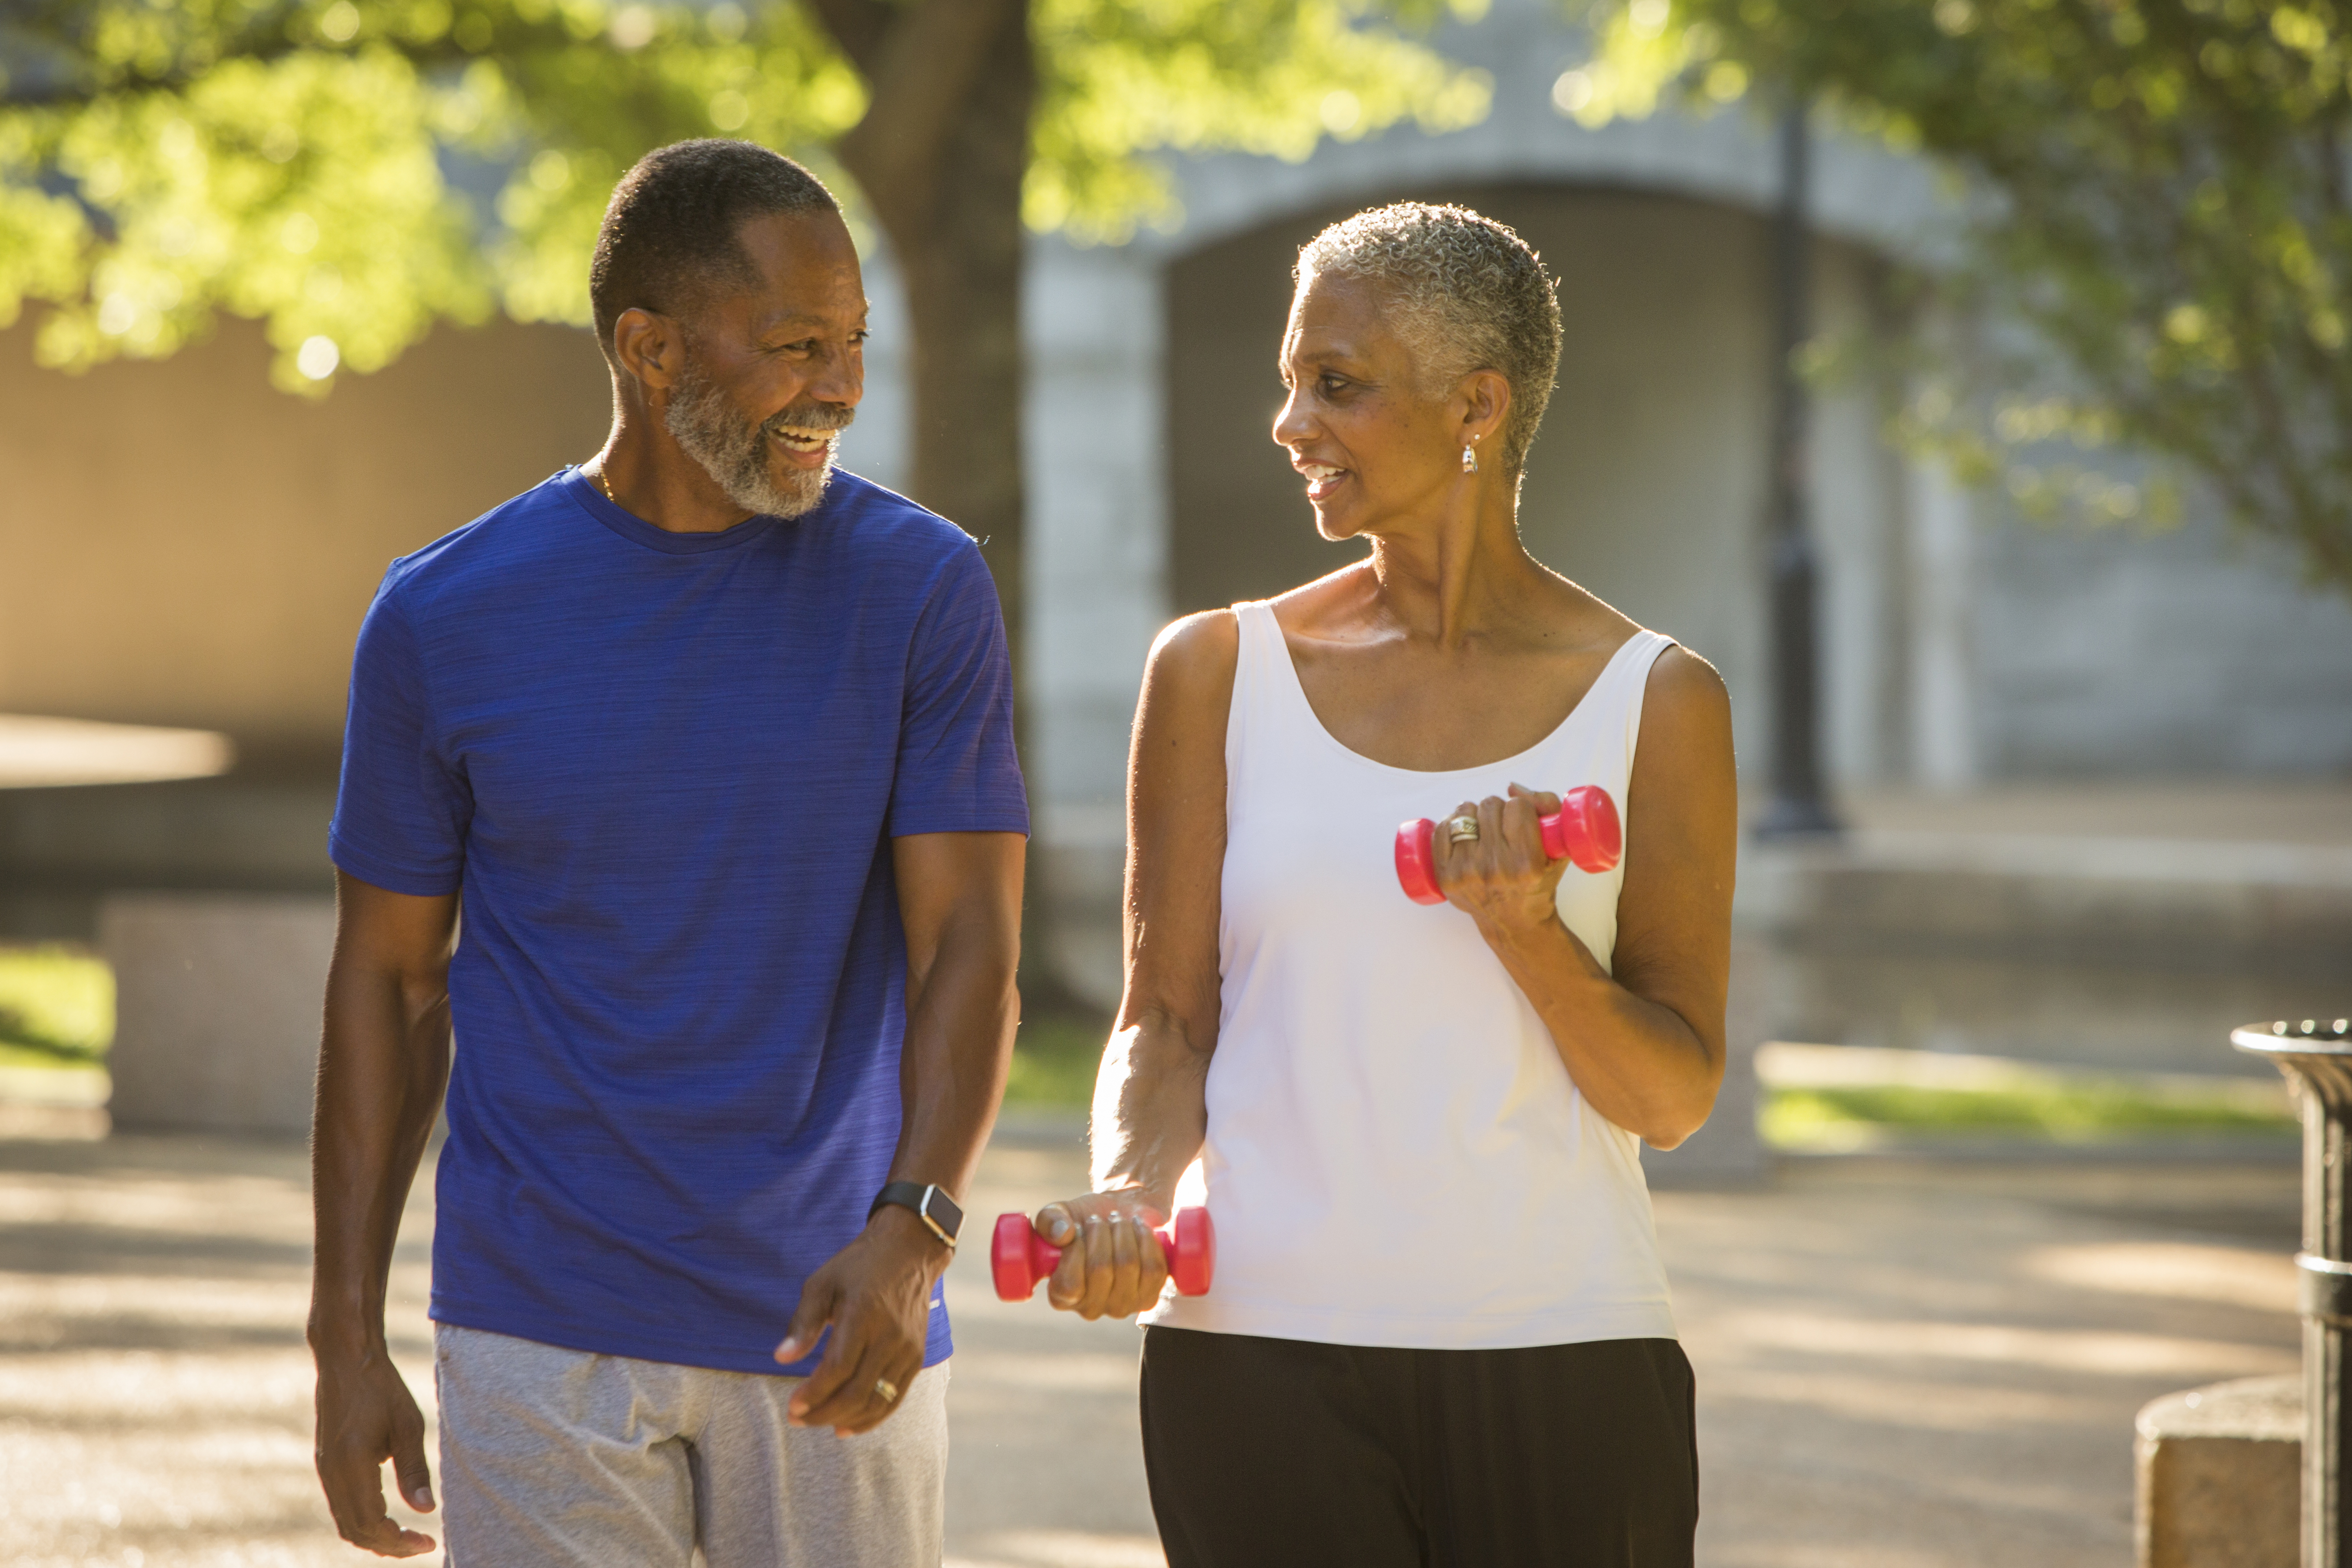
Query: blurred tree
{"points": [[348, 172], [2161, 190]]}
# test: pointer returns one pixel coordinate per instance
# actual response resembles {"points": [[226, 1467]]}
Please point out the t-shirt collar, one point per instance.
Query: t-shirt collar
{"points": [[637, 531]]}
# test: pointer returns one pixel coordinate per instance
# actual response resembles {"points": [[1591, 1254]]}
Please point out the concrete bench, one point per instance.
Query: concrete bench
{"points": [[2220, 1475], [217, 1003]]}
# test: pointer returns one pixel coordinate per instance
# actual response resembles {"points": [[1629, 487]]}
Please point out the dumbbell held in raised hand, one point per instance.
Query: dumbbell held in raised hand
{"points": [[1584, 831], [1020, 1257]]}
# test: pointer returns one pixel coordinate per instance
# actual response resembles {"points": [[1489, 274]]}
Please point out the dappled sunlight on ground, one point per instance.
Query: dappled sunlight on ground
{"points": [[1902, 1364], [1909, 1362], [2228, 1276]]}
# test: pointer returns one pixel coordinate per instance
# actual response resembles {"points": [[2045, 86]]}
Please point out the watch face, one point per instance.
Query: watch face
{"points": [[942, 1211], [928, 1203]]}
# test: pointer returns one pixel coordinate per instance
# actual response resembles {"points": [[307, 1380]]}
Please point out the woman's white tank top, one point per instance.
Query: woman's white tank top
{"points": [[1396, 1154]]}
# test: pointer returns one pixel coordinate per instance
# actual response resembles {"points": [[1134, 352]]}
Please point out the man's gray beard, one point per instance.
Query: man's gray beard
{"points": [[734, 452]]}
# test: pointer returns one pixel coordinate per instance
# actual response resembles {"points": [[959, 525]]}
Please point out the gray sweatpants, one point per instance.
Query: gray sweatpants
{"points": [[556, 1458]]}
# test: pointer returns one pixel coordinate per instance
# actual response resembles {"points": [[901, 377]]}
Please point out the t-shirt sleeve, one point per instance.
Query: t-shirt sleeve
{"points": [[957, 771], [401, 813]]}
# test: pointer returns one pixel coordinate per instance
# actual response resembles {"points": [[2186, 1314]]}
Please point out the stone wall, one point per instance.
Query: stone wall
{"points": [[185, 545], [217, 1010], [2121, 653]]}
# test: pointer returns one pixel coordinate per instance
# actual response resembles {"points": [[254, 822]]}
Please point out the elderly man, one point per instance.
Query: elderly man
{"points": [[714, 743]]}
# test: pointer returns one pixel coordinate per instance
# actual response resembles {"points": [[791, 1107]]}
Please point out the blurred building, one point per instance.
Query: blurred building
{"points": [[181, 545], [1963, 646]]}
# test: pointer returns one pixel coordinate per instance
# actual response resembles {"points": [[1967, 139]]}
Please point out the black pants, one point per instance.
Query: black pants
{"points": [[1296, 1455]]}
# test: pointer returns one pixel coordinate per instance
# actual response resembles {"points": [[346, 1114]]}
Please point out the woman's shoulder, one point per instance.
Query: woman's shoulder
{"points": [[1206, 638], [1188, 693], [1194, 658], [1684, 693]]}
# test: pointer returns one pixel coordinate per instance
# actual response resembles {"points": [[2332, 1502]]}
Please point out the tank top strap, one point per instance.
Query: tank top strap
{"points": [[1260, 635], [1595, 744], [1260, 672], [1630, 680]]}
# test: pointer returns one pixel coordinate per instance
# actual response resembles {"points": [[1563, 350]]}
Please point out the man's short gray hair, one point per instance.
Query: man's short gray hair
{"points": [[1466, 293]]}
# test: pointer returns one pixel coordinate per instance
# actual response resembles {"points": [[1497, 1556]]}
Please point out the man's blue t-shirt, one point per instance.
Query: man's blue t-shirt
{"points": [[664, 770]]}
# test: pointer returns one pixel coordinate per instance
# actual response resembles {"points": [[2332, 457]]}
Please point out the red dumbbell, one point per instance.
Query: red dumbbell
{"points": [[1021, 1257], [1584, 829]]}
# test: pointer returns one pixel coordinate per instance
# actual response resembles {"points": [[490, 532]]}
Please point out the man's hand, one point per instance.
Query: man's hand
{"points": [[366, 1417], [1111, 1263], [960, 899], [875, 1295]]}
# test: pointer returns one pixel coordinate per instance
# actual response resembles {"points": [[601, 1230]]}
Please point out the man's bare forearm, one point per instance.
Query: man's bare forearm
{"points": [[960, 1018], [383, 1062], [1151, 1108], [960, 898]]}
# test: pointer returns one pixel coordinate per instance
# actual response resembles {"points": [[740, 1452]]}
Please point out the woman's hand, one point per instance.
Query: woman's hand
{"points": [[1111, 1263], [1502, 879]]}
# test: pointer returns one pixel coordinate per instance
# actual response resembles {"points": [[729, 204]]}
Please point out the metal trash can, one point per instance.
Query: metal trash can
{"points": [[2316, 1055]]}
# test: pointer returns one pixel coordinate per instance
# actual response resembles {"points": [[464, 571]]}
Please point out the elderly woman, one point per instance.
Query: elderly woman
{"points": [[1439, 1331]]}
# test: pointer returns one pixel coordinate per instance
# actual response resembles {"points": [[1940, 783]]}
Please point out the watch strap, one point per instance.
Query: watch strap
{"points": [[938, 1212]]}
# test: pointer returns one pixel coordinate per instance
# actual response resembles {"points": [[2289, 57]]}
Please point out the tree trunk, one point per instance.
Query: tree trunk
{"points": [[963, 289], [939, 156]]}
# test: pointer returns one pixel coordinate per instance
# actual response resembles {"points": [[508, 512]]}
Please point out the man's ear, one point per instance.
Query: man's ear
{"points": [[650, 348]]}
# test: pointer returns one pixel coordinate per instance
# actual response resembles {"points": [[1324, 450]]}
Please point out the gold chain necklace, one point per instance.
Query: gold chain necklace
{"points": [[606, 486]]}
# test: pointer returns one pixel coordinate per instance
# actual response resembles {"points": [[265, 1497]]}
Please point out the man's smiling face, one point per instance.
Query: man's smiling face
{"points": [[774, 369]]}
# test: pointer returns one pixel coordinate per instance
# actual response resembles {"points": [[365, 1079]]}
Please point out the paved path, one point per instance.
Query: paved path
{"points": [[1902, 1365]]}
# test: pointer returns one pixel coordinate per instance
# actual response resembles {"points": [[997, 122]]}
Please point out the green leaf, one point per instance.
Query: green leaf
{"points": [[1122, 80], [2169, 219], [289, 160]]}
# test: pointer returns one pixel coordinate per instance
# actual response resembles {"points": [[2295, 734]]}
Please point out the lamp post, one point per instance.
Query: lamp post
{"points": [[2317, 1059], [1799, 799]]}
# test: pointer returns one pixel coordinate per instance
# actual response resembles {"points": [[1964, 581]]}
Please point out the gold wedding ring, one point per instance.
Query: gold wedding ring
{"points": [[886, 1389], [1461, 830]]}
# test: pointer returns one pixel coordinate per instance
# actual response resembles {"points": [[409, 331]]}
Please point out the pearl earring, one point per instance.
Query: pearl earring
{"points": [[1470, 456]]}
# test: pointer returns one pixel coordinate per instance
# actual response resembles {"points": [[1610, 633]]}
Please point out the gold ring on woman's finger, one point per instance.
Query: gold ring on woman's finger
{"points": [[885, 1389], [1462, 829]]}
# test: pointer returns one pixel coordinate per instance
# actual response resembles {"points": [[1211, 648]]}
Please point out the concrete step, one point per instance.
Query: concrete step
{"points": [[2220, 1475], [2208, 904]]}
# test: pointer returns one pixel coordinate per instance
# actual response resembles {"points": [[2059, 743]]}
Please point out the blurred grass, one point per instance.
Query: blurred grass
{"points": [[1054, 1062], [57, 1006], [1817, 1118], [57, 1010], [1056, 1056]]}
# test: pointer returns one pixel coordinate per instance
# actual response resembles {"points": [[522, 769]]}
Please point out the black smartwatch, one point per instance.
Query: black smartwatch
{"points": [[932, 1207]]}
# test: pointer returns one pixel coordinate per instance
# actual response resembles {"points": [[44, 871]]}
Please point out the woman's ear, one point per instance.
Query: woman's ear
{"points": [[1486, 403]]}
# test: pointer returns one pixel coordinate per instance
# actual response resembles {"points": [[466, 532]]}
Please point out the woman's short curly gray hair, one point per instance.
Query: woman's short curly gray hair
{"points": [[1466, 293]]}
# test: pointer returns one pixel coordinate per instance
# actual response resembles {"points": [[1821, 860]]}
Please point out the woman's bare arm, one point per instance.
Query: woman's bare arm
{"points": [[1647, 1046], [1150, 1110]]}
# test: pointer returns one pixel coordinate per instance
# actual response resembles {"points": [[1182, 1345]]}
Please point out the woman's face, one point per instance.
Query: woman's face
{"points": [[1373, 449]]}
